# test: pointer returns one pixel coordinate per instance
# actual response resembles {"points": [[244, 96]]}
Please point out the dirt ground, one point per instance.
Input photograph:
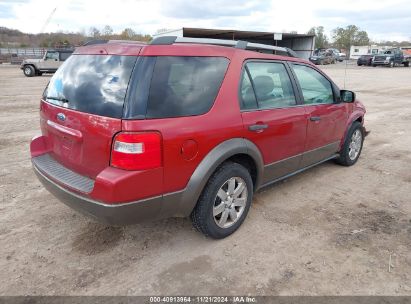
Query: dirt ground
{"points": [[328, 231]]}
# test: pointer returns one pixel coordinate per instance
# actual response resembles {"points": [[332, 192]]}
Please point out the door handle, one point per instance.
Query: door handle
{"points": [[315, 118], [257, 127]]}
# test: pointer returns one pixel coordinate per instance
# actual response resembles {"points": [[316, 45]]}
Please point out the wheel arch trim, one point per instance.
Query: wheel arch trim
{"points": [[189, 196], [354, 117]]}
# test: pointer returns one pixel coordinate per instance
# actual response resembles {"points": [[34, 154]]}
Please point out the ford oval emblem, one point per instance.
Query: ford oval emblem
{"points": [[61, 116]]}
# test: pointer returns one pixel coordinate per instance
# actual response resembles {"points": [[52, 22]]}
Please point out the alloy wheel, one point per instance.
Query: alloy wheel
{"points": [[230, 202], [355, 145]]}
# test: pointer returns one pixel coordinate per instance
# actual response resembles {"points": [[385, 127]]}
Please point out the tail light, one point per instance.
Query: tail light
{"points": [[136, 151]]}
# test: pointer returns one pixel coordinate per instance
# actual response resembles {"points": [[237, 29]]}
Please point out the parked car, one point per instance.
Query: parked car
{"points": [[343, 56], [365, 60], [336, 54], [321, 58], [133, 132], [50, 62], [391, 58]]}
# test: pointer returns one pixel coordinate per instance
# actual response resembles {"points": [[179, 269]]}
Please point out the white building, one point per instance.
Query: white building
{"points": [[357, 51]]}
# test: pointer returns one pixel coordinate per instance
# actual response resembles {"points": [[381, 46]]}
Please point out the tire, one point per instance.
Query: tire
{"points": [[352, 147], [359, 64], [407, 64], [29, 71], [207, 217], [392, 64]]}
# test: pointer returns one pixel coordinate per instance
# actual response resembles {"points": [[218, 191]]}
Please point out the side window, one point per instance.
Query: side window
{"points": [[248, 100], [52, 56], [64, 56], [315, 87], [184, 86], [271, 83]]}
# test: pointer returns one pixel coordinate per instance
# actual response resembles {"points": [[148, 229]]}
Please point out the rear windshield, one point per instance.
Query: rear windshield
{"points": [[94, 84], [184, 86]]}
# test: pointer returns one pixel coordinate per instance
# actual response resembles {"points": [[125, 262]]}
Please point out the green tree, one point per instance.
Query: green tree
{"points": [[321, 40], [351, 35]]}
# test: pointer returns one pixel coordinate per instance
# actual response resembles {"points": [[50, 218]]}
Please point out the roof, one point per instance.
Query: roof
{"points": [[233, 34]]}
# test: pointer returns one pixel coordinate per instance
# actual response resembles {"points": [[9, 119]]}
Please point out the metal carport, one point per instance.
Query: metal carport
{"points": [[302, 44]]}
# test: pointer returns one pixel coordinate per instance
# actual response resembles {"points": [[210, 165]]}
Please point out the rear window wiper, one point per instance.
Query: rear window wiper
{"points": [[62, 99]]}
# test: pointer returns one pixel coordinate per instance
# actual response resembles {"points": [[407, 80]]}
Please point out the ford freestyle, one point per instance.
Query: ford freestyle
{"points": [[187, 127]]}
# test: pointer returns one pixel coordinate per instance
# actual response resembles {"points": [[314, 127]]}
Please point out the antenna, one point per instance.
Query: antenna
{"points": [[48, 20], [345, 72]]}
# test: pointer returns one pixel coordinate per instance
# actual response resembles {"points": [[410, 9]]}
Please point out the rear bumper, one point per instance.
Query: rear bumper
{"points": [[113, 214]]}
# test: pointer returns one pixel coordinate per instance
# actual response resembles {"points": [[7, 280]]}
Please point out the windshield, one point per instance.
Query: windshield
{"points": [[94, 84]]}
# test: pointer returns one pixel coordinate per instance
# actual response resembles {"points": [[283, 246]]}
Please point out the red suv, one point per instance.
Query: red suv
{"points": [[185, 127]]}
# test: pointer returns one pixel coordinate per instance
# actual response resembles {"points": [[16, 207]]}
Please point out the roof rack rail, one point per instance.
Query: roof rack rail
{"points": [[95, 41], [105, 41], [239, 44]]}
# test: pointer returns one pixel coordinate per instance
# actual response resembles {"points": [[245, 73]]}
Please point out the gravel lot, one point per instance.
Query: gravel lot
{"points": [[328, 231]]}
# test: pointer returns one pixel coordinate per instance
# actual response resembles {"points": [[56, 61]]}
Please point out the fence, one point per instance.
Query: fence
{"points": [[17, 55]]}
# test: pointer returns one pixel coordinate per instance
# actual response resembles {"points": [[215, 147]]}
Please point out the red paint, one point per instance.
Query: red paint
{"points": [[189, 149], [83, 142]]}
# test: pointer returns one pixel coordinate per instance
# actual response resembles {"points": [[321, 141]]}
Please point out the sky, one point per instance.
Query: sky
{"points": [[382, 19]]}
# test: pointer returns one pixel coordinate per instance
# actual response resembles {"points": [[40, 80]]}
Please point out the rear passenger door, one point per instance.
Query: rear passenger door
{"points": [[272, 119], [326, 116]]}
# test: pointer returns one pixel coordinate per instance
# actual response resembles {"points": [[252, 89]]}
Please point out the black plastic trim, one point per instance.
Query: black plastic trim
{"points": [[210, 163], [61, 174]]}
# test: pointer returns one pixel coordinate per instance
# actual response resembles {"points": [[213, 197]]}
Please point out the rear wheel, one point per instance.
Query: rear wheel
{"points": [[29, 71], [224, 202], [407, 64], [352, 147]]}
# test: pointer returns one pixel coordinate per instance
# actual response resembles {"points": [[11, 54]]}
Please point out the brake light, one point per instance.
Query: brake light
{"points": [[136, 151]]}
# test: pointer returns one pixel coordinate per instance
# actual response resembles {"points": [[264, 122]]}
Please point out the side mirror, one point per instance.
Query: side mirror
{"points": [[347, 96]]}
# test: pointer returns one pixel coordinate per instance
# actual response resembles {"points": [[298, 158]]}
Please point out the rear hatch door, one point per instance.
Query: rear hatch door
{"points": [[82, 108]]}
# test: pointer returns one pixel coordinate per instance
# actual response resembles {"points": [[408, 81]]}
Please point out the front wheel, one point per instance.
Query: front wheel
{"points": [[224, 202], [352, 147], [29, 71]]}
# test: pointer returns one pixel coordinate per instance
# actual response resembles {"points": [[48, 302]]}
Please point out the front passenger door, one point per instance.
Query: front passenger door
{"points": [[326, 116]]}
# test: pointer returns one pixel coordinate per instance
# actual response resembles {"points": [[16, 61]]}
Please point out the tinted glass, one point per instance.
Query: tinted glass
{"points": [[315, 87], [64, 56], [184, 86], [248, 100], [52, 56], [95, 84], [272, 85]]}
